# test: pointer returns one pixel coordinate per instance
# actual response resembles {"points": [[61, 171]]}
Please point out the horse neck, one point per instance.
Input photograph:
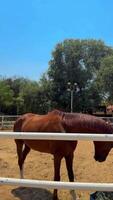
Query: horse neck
{"points": [[84, 123], [69, 121]]}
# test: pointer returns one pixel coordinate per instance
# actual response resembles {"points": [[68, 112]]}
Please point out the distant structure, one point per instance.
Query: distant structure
{"points": [[110, 108]]}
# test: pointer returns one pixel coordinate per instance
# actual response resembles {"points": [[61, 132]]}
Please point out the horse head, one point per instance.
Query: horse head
{"points": [[102, 149]]}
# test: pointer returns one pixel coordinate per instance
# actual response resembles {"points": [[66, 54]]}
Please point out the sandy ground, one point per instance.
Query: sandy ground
{"points": [[40, 166]]}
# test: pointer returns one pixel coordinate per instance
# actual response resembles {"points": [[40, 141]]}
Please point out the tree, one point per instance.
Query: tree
{"points": [[75, 61], [105, 79], [6, 96], [28, 96], [25, 92]]}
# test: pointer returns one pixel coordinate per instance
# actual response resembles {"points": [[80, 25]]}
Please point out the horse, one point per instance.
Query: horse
{"points": [[58, 121], [44, 123]]}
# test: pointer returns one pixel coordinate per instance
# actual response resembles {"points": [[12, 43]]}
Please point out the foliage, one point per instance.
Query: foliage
{"points": [[88, 63], [6, 95], [76, 61], [105, 79]]}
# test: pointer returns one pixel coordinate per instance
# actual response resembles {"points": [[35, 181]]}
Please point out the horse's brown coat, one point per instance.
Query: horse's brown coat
{"points": [[57, 121]]}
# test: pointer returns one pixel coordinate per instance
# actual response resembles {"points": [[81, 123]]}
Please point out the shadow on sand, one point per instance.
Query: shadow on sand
{"points": [[32, 193]]}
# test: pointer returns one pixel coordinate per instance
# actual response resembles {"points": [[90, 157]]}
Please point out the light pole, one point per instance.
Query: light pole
{"points": [[71, 89]]}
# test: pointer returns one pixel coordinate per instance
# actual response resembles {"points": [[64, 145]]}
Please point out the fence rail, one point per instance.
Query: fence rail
{"points": [[57, 185], [53, 184], [7, 121], [56, 136]]}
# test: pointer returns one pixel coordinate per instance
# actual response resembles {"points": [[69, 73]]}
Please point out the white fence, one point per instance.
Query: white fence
{"points": [[53, 184], [57, 185], [7, 121], [56, 136]]}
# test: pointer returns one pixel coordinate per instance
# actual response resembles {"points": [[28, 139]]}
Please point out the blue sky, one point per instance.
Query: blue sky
{"points": [[30, 29]]}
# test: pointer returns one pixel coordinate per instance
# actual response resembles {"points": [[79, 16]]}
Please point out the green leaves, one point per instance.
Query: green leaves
{"points": [[88, 63], [6, 94], [77, 61], [105, 78]]}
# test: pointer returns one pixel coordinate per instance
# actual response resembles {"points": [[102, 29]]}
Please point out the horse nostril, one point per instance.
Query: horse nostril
{"points": [[99, 159]]}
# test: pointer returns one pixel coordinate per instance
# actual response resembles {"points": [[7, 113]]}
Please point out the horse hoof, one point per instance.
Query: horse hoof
{"points": [[55, 198]]}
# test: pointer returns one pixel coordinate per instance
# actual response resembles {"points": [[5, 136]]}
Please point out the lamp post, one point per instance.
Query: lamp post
{"points": [[71, 89]]}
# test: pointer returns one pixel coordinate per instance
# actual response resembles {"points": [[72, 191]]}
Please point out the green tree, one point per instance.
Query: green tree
{"points": [[75, 61], [45, 93], [25, 95], [105, 79], [6, 96], [28, 94]]}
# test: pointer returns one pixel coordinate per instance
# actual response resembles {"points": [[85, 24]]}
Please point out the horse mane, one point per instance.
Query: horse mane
{"points": [[67, 118], [58, 112]]}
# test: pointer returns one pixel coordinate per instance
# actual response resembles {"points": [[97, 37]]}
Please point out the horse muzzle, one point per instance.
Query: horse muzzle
{"points": [[99, 159]]}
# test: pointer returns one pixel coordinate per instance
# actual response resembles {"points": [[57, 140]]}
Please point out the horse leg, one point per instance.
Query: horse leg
{"points": [[69, 165], [26, 150], [57, 163], [19, 146], [21, 154]]}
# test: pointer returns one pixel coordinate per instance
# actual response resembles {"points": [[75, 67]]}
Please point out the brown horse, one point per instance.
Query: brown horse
{"points": [[57, 121]]}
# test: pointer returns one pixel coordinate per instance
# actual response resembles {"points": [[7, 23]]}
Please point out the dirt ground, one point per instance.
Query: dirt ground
{"points": [[40, 166]]}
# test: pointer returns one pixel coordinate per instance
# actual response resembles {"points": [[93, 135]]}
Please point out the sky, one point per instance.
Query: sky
{"points": [[30, 30]]}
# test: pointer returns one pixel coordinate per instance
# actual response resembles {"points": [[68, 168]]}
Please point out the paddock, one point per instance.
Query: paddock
{"points": [[40, 166]]}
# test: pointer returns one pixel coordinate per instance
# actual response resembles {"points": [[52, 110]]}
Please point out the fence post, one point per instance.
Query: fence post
{"points": [[2, 124]]}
